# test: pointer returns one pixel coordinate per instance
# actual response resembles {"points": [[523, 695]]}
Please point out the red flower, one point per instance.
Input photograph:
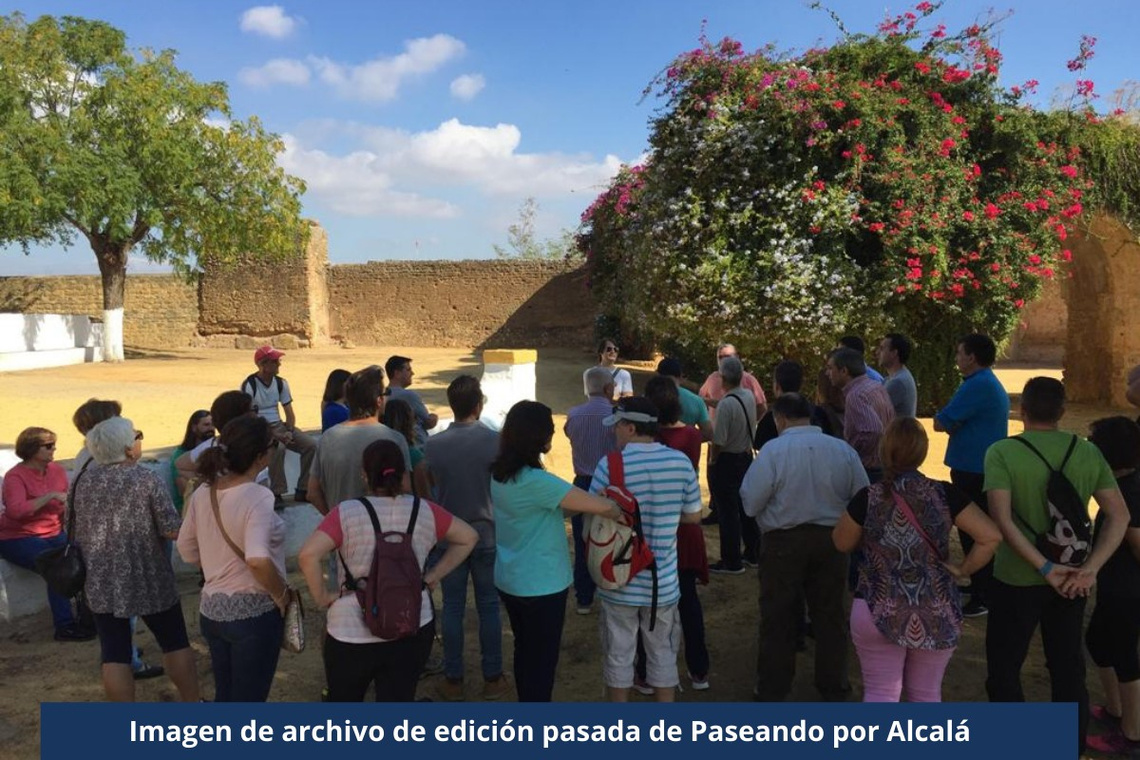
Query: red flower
{"points": [[968, 216], [1066, 255], [992, 211], [839, 105], [1069, 171]]}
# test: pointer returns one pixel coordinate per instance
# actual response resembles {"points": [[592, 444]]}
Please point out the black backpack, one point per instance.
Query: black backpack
{"points": [[251, 381], [1069, 537]]}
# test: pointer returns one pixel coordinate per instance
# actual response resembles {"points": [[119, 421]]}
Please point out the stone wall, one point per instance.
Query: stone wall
{"points": [[497, 303], [1040, 339], [282, 301], [160, 310]]}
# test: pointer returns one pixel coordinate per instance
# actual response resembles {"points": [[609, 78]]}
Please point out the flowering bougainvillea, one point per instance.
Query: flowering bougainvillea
{"points": [[884, 183]]}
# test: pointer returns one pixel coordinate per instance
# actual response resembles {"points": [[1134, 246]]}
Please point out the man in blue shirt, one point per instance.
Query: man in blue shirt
{"points": [[976, 417]]}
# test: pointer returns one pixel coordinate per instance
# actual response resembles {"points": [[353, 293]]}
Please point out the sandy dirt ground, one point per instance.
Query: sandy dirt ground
{"points": [[159, 390]]}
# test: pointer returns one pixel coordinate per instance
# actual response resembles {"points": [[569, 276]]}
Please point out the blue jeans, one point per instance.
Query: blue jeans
{"points": [[481, 567], [584, 586], [22, 552], [244, 654]]}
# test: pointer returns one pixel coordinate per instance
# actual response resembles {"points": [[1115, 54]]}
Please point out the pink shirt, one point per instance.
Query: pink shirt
{"points": [[247, 513], [22, 486], [713, 390]]}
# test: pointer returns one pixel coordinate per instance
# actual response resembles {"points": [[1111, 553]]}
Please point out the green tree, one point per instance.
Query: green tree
{"points": [[132, 153], [523, 241]]}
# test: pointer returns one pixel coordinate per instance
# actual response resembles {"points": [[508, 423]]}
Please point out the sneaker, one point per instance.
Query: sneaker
{"points": [[148, 671], [975, 609], [584, 609], [642, 688], [301, 496], [496, 688], [450, 691], [700, 683], [73, 633], [722, 569], [751, 564], [711, 519], [1101, 714], [1114, 743]]}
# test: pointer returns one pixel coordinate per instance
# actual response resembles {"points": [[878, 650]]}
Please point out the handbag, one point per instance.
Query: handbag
{"points": [[63, 567], [294, 638]]}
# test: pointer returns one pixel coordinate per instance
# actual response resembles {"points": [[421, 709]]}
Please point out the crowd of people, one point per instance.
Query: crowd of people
{"points": [[820, 493]]}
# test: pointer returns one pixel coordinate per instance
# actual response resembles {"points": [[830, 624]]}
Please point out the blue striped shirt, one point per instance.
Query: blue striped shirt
{"points": [[590, 440], [665, 484]]}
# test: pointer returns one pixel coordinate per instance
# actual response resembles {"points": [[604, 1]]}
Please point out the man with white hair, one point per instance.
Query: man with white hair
{"points": [[730, 456]]}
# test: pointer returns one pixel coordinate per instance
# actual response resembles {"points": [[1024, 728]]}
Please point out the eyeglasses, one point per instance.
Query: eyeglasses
{"points": [[48, 446], [725, 356], [138, 435], [610, 350]]}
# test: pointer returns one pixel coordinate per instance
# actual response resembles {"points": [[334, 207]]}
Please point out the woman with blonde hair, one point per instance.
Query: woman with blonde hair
{"points": [[907, 614]]}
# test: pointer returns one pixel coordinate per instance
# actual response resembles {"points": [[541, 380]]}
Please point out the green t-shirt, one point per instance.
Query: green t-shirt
{"points": [[1011, 466], [532, 556], [694, 410]]}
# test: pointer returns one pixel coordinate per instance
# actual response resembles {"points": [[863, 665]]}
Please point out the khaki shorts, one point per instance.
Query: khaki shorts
{"points": [[619, 624]]}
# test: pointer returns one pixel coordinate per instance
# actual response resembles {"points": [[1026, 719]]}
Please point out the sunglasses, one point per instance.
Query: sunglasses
{"points": [[610, 350], [138, 435], [725, 356], [48, 446]]}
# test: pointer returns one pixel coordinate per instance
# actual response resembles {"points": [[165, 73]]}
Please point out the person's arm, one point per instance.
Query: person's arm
{"points": [[756, 490], [421, 477], [290, 418], [961, 407], [461, 539], [577, 500], [1108, 539], [187, 541], [1132, 538], [316, 494], [847, 534], [19, 506], [185, 465], [431, 421], [1000, 503], [311, 558], [265, 573], [978, 526]]}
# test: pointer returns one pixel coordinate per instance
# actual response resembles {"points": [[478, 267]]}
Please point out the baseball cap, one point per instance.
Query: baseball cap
{"points": [[669, 367], [632, 409], [266, 352]]}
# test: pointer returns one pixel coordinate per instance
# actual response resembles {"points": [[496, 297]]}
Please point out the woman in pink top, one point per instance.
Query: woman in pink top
{"points": [[35, 500], [232, 531]]}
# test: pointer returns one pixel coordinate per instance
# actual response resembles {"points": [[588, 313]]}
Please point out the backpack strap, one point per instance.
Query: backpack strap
{"points": [[415, 513], [1069, 453], [617, 469], [747, 420], [617, 478], [250, 382], [349, 581], [1041, 456]]}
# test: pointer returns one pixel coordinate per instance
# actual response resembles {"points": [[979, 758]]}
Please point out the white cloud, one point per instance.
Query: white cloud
{"points": [[466, 87], [397, 173], [277, 71], [379, 80], [269, 21]]}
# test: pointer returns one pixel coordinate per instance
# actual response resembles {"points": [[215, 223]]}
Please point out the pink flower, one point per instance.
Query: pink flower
{"points": [[1084, 88], [992, 211], [968, 216]]}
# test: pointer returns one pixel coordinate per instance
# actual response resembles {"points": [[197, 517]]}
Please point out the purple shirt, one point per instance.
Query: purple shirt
{"points": [[590, 440], [867, 412]]}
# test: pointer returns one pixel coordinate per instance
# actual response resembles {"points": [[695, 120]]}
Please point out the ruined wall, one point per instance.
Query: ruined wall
{"points": [[460, 303], [160, 310], [1044, 324], [1104, 301], [259, 300]]}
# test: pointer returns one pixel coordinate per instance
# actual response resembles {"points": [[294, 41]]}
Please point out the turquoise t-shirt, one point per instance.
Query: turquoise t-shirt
{"points": [[532, 557], [694, 411]]}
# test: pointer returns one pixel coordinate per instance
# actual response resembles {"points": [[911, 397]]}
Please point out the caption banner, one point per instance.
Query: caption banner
{"points": [[801, 730]]}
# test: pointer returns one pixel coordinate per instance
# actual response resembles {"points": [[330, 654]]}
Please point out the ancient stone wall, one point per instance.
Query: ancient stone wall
{"points": [[160, 310], [460, 303], [1040, 339], [258, 300]]}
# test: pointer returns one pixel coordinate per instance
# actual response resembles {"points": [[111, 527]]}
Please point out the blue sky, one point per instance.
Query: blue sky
{"points": [[421, 127]]}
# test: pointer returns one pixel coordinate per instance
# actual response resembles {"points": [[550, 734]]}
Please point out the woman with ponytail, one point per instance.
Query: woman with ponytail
{"points": [[355, 658], [231, 530], [907, 614]]}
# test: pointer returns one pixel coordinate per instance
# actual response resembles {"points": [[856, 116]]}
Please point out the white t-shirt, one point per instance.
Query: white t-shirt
{"points": [[266, 397], [209, 443], [623, 382]]}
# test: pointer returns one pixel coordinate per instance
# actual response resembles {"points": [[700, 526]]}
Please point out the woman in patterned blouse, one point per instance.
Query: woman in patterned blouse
{"points": [[907, 613], [123, 514]]}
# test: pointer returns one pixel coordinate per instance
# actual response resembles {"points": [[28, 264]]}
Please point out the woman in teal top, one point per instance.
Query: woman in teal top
{"points": [[532, 561], [199, 427]]}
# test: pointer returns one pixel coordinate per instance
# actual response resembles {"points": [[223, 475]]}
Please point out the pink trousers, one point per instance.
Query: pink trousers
{"points": [[889, 670]]}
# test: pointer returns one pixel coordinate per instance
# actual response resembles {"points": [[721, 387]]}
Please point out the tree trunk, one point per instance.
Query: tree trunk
{"points": [[113, 271]]}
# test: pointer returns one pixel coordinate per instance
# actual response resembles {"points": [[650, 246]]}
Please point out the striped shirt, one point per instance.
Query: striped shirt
{"points": [[590, 440], [665, 484], [867, 412]]}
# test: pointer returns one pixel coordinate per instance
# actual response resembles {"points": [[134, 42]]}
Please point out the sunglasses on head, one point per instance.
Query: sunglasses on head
{"points": [[138, 435]]}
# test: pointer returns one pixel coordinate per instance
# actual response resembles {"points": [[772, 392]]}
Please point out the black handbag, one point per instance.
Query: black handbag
{"points": [[63, 567]]}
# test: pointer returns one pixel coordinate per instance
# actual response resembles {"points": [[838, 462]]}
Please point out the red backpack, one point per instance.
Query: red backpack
{"points": [[617, 551], [392, 594]]}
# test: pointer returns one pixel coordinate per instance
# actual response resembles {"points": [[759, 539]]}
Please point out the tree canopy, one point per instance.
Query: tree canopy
{"points": [[131, 152], [884, 183]]}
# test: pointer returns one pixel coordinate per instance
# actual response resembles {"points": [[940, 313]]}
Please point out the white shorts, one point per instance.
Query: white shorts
{"points": [[619, 624]]}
